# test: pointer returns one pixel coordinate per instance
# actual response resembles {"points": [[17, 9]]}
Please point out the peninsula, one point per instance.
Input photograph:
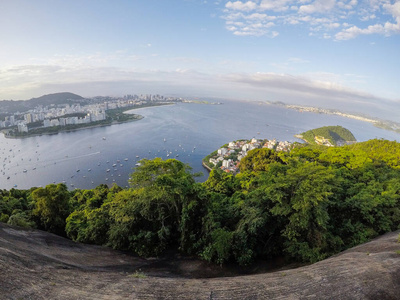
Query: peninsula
{"points": [[383, 124], [228, 157], [58, 112]]}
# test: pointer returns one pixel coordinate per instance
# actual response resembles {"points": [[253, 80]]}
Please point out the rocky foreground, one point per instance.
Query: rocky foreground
{"points": [[38, 265]]}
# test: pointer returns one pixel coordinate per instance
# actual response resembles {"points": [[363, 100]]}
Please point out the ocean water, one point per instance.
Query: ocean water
{"points": [[185, 131]]}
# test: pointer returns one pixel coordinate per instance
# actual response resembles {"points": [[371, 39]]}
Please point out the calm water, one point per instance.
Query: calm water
{"points": [[190, 131]]}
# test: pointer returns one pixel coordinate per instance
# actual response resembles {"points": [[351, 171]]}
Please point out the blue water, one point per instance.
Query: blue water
{"points": [[191, 131]]}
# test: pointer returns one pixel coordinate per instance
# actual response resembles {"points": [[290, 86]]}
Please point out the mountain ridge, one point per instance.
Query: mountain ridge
{"points": [[55, 98], [12, 106]]}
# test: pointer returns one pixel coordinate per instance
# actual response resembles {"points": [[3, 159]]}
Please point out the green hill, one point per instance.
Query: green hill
{"points": [[329, 136], [57, 98], [10, 106]]}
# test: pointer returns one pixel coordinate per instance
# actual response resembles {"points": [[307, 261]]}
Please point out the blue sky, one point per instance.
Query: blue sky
{"points": [[328, 53]]}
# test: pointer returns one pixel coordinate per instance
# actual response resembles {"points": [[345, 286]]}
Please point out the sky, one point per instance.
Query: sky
{"points": [[342, 54]]}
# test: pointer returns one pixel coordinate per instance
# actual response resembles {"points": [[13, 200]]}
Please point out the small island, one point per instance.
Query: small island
{"points": [[328, 136]]}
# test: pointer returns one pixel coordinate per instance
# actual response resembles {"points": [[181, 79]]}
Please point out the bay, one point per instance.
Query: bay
{"points": [[185, 131]]}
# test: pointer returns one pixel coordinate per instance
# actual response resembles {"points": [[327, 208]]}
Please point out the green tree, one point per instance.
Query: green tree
{"points": [[51, 207], [259, 160], [90, 222], [158, 211]]}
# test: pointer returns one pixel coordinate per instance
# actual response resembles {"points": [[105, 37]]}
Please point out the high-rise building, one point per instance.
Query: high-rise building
{"points": [[28, 118]]}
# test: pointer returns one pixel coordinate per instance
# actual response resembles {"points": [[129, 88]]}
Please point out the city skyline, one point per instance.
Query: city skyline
{"points": [[336, 54]]}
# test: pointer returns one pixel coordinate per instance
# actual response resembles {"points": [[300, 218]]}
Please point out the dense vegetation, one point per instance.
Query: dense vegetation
{"points": [[306, 205], [334, 134]]}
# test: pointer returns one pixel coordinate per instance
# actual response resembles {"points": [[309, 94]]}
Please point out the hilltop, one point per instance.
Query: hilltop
{"points": [[57, 98], [328, 135], [40, 265], [11, 106]]}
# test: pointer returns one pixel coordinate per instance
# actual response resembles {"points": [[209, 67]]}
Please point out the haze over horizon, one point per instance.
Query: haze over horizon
{"points": [[326, 53]]}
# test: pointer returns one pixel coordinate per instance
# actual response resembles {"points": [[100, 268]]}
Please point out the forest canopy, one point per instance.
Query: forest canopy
{"points": [[304, 205]]}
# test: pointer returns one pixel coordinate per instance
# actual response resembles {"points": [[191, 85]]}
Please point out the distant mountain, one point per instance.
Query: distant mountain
{"points": [[57, 98], [329, 136], [10, 106]]}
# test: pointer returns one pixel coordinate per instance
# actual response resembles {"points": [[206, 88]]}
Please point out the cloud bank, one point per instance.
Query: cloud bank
{"points": [[322, 90]]}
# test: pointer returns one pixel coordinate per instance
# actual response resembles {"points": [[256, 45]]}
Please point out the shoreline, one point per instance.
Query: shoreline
{"points": [[205, 166], [139, 117], [113, 122]]}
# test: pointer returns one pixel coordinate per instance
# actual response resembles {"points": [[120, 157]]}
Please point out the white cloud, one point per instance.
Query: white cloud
{"points": [[255, 29], [387, 29], [368, 17], [274, 34], [242, 6], [349, 5], [323, 18], [318, 6], [275, 5], [394, 10], [259, 16]]}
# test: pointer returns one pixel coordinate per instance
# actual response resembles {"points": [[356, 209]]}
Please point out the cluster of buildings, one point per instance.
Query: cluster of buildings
{"points": [[149, 97], [58, 116], [65, 114], [320, 140], [8, 121], [228, 158]]}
